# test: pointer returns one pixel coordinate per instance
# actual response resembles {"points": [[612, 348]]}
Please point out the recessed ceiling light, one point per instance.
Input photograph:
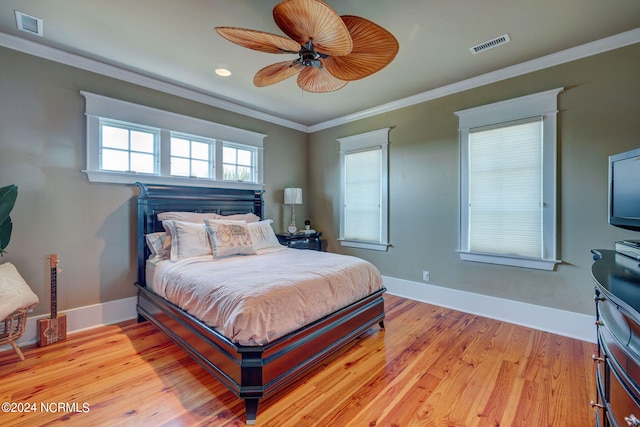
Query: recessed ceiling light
{"points": [[223, 72]]}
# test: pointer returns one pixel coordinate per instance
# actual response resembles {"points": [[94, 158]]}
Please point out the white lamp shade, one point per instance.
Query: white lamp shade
{"points": [[293, 196]]}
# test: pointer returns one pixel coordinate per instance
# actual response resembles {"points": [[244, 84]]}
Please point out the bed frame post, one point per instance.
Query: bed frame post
{"points": [[251, 408]]}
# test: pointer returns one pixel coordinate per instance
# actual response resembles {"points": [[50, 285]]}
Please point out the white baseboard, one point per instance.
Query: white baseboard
{"points": [[569, 324], [79, 319], [560, 322]]}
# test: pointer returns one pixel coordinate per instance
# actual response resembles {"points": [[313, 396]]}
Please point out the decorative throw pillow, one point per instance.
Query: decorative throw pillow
{"points": [[229, 238], [155, 243], [188, 239], [15, 293], [263, 237]]}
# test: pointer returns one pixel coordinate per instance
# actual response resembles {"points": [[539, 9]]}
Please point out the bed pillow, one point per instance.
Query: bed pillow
{"points": [[248, 217], [263, 237], [229, 237], [188, 239], [187, 216], [155, 243]]}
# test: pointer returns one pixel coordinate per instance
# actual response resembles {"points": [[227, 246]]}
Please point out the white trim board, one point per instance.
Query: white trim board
{"points": [[569, 324], [593, 48], [573, 325], [82, 318]]}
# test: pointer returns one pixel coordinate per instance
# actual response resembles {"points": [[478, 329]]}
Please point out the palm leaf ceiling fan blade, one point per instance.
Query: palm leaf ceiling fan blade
{"points": [[312, 19], [317, 80], [259, 40], [332, 50], [373, 49], [275, 73]]}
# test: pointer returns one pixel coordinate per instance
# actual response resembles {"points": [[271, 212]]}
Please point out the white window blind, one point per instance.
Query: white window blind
{"points": [[505, 189], [362, 195]]}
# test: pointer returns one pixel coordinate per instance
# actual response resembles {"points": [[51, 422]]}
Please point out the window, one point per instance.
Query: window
{"points": [[364, 193], [126, 141], [192, 157], [508, 182], [238, 163], [127, 148]]}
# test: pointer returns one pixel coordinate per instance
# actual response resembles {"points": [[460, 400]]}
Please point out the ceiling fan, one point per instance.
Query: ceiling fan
{"points": [[332, 49]]}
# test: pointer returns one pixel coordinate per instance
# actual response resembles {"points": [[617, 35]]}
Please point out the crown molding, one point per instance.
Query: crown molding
{"points": [[593, 48], [98, 67], [568, 55]]}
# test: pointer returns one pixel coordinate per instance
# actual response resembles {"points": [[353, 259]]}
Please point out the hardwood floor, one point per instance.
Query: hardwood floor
{"points": [[431, 367]]}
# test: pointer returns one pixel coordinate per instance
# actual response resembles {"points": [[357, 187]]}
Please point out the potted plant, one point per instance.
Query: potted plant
{"points": [[8, 196]]}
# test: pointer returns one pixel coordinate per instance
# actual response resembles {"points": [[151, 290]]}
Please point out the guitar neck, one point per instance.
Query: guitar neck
{"points": [[53, 262], [54, 293]]}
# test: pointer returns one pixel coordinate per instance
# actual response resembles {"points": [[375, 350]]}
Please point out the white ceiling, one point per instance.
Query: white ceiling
{"points": [[174, 41]]}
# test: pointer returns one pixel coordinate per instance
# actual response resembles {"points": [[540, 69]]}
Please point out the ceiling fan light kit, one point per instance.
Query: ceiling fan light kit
{"points": [[332, 49]]}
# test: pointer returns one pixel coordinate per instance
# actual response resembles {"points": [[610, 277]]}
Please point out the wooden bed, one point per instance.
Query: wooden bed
{"points": [[250, 372]]}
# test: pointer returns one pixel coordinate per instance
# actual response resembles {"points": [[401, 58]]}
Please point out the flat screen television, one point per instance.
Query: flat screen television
{"points": [[624, 190]]}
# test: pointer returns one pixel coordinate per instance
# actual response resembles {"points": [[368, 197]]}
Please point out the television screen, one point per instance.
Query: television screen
{"points": [[624, 190]]}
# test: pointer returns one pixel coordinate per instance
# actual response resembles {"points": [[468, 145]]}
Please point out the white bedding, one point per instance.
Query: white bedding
{"points": [[255, 299]]}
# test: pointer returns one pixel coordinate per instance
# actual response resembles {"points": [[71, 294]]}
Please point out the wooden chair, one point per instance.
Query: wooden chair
{"points": [[12, 328]]}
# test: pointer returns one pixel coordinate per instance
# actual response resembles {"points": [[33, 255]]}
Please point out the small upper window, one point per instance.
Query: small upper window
{"points": [[126, 140], [192, 157], [128, 148], [238, 163]]}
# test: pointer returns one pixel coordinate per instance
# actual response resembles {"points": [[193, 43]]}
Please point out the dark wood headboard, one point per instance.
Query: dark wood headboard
{"points": [[154, 199]]}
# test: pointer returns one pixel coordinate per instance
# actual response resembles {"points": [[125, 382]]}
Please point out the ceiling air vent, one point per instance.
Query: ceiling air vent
{"points": [[490, 44], [29, 24]]}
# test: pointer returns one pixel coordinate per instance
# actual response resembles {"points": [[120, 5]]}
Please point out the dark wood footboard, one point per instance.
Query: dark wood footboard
{"points": [[256, 372]]}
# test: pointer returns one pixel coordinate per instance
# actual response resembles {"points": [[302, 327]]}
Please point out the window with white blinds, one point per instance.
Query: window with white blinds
{"points": [[505, 189], [508, 182], [362, 215], [364, 193]]}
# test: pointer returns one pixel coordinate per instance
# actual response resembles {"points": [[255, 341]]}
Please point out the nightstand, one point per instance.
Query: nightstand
{"points": [[301, 240]]}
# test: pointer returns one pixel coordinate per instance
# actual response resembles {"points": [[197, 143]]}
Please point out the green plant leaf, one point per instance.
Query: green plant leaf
{"points": [[8, 196], [5, 234]]}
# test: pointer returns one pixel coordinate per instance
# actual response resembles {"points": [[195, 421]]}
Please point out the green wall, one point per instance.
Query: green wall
{"points": [[91, 226], [599, 116]]}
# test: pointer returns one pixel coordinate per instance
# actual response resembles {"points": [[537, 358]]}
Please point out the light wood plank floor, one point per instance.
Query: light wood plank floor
{"points": [[431, 367]]}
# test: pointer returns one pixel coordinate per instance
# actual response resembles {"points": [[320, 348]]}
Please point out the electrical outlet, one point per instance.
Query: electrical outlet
{"points": [[426, 276]]}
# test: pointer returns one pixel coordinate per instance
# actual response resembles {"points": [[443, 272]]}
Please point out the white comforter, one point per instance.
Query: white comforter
{"points": [[255, 299]]}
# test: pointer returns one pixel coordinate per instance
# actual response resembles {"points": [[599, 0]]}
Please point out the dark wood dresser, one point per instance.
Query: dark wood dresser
{"points": [[617, 297]]}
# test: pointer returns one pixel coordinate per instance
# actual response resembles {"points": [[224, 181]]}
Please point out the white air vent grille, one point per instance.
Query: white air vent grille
{"points": [[29, 24], [490, 44]]}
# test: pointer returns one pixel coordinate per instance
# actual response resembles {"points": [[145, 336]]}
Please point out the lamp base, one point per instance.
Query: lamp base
{"points": [[292, 229]]}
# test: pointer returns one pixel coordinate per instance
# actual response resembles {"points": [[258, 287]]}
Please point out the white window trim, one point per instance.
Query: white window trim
{"points": [[376, 138], [542, 104], [99, 106]]}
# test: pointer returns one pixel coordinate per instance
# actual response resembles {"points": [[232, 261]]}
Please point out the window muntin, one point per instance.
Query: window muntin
{"points": [[127, 148], [238, 163], [529, 207], [192, 157]]}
